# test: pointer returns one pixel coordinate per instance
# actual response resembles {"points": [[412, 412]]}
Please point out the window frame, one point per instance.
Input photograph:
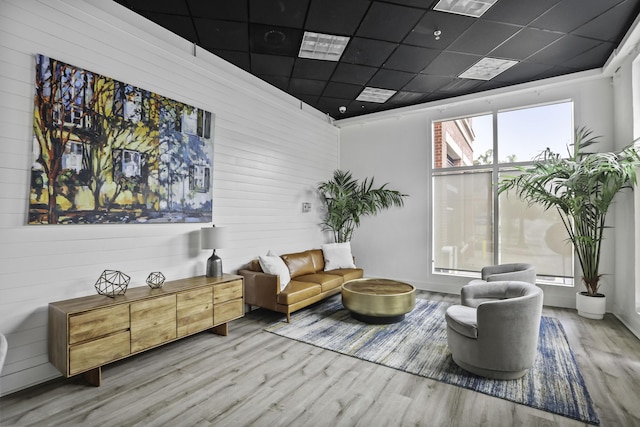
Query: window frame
{"points": [[495, 168]]}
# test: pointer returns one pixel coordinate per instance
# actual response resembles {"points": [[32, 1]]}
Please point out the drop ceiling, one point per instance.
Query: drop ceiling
{"points": [[394, 45]]}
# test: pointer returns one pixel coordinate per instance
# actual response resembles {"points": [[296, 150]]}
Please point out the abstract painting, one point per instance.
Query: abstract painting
{"points": [[105, 151]]}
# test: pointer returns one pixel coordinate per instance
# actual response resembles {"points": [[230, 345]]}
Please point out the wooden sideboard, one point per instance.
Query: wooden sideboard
{"points": [[89, 332]]}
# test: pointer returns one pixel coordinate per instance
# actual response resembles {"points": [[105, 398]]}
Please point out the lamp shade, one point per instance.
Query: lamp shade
{"points": [[213, 237]]}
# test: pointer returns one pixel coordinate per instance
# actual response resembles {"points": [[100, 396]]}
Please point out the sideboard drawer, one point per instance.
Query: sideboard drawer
{"points": [[194, 311], [226, 311], [98, 352], [227, 291], [153, 322], [98, 323]]}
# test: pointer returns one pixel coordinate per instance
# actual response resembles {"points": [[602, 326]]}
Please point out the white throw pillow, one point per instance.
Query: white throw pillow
{"points": [[273, 264], [337, 255]]}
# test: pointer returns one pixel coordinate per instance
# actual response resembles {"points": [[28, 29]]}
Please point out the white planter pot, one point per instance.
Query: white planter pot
{"points": [[591, 307]]}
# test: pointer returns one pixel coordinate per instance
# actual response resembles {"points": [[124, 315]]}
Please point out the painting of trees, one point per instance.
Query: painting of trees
{"points": [[103, 150]]}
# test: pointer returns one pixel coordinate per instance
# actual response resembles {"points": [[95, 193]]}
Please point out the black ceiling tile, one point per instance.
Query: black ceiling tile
{"points": [[180, 25], [239, 59], [306, 86], [307, 99], [275, 40], [568, 15], [390, 79], [482, 37], [337, 17], [219, 9], [459, 86], [363, 107], [331, 106], [564, 49], [423, 4], [285, 13], [425, 83], [435, 96], [555, 72], [525, 43], [160, 6], [354, 74], [593, 58], [450, 25], [389, 22], [451, 64], [406, 98], [519, 12], [214, 34], [367, 52], [410, 58], [277, 81], [342, 90], [488, 85], [313, 69], [611, 25], [522, 72], [272, 65]]}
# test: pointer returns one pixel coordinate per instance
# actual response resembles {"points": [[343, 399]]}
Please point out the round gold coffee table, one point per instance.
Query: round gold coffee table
{"points": [[378, 300]]}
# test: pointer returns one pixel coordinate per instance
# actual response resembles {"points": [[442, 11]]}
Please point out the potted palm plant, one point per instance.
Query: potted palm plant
{"points": [[347, 200], [581, 188]]}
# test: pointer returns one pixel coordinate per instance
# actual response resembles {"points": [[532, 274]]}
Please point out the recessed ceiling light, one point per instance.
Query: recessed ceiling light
{"points": [[322, 46], [487, 68], [473, 8], [372, 94]]}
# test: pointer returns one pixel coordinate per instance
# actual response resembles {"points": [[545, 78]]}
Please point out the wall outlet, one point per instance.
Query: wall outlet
{"points": [[306, 207]]}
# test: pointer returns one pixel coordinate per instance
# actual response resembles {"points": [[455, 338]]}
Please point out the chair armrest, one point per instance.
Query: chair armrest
{"points": [[260, 289], [518, 317]]}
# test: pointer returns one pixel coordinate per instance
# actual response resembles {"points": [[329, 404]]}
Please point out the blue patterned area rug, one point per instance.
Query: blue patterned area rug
{"points": [[418, 345]]}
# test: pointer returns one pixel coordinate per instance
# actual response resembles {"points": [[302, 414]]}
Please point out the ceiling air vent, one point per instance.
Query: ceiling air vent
{"points": [[322, 46]]}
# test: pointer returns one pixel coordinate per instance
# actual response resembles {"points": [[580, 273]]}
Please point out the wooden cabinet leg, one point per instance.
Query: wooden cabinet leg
{"points": [[222, 329], [94, 376]]}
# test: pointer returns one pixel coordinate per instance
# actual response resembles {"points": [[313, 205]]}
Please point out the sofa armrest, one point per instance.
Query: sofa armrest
{"points": [[260, 289]]}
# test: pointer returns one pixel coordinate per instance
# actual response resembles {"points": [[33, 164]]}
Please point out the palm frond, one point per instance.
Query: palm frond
{"points": [[347, 200], [582, 188]]}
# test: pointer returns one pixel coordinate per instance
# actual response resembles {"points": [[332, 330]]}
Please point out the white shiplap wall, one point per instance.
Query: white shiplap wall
{"points": [[269, 153]]}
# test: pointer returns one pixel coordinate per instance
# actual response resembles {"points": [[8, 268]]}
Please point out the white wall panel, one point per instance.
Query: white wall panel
{"points": [[269, 153]]}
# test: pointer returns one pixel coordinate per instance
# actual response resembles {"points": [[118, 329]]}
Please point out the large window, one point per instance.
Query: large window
{"points": [[472, 225]]}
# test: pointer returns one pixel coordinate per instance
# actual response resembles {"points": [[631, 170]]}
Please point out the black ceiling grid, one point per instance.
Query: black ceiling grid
{"points": [[392, 43]]}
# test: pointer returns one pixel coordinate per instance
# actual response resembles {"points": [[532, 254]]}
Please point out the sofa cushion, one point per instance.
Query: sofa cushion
{"points": [[326, 281], [275, 265], [318, 259], [348, 273], [463, 320], [298, 291], [337, 255], [299, 263]]}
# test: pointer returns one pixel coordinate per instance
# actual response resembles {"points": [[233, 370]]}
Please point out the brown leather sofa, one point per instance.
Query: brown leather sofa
{"points": [[309, 282]]}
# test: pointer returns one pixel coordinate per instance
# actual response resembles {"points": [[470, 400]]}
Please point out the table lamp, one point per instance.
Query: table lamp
{"points": [[213, 238]]}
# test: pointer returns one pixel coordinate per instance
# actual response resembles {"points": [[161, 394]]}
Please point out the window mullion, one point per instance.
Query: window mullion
{"points": [[494, 188]]}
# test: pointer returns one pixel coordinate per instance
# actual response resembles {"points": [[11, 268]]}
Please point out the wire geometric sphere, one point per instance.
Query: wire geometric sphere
{"points": [[112, 283], [155, 280]]}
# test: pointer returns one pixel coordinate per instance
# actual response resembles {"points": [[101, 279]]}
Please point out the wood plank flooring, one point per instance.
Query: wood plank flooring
{"points": [[254, 378]]}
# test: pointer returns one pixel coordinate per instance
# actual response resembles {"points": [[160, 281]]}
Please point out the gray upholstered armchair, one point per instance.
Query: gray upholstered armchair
{"points": [[519, 271], [494, 333]]}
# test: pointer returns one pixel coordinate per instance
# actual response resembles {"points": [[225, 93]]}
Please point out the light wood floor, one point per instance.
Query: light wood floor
{"points": [[254, 378]]}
